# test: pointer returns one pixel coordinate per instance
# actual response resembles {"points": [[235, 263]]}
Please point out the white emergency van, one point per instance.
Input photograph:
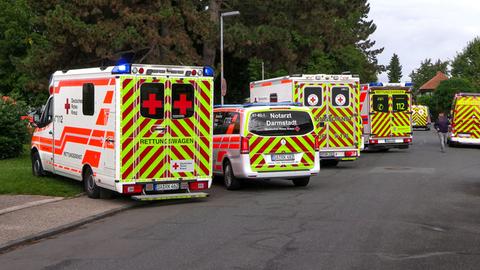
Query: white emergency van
{"points": [[140, 130]]}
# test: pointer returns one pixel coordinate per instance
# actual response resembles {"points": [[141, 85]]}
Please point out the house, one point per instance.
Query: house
{"points": [[430, 86]]}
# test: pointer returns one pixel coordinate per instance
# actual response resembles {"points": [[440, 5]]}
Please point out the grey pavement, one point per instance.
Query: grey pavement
{"points": [[10, 203], [402, 209], [50, 215]]}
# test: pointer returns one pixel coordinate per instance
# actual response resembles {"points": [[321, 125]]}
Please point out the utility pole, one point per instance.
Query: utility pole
{"points": [[223, 87]]}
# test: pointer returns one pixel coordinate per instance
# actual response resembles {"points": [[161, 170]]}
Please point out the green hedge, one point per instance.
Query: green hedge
{"points": [[14, 132]]}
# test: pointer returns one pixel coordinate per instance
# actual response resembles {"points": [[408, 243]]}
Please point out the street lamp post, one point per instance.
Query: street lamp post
{"points": [[222, 79]]}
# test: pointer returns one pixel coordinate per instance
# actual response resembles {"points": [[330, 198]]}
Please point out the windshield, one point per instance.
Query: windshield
{"points": [[280, 123]]}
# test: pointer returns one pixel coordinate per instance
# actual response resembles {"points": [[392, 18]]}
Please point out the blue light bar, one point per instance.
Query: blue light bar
{"points": [[375, 84], [208, 71], [122, 69], [408, 84]]}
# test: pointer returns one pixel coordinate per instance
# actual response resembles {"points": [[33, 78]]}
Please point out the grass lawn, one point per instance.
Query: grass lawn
{"points": [[16, 178]]}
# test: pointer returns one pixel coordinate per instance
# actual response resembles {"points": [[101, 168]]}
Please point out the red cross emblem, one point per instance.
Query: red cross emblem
{"points": [[152, 103], [340, 99], [175, 166], [312, 99], [182, 104], [67, 106]]}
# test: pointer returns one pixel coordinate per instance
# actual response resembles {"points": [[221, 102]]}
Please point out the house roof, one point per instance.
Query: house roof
{"points": [[433, 83]]}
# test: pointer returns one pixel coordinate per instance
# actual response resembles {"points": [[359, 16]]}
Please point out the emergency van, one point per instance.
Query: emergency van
{"points": [[264, 141], [387, 115], [140, 130], [334, 103], [465, 122], [421, 117]]}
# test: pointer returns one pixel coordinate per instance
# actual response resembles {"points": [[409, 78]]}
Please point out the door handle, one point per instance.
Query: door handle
{"points": [[109, 140], [158, 129]]}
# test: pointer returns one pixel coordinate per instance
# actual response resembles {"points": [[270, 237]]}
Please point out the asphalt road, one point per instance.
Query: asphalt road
{"points": [[403, 209]]}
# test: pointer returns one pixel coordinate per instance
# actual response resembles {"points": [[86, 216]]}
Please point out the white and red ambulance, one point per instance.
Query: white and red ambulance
{"points": [[140, 130]]}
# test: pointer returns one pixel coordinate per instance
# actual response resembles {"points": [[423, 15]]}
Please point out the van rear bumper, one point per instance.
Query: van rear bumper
{"points": [[459, 140], [242, 169]]}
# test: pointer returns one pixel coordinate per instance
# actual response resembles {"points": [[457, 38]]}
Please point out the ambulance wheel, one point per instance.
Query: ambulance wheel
{"points": [[37, 168], [92, 190], [231, 182], [301, 182]]}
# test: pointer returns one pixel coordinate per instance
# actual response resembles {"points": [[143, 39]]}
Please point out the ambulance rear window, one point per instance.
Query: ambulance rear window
{"points": [[313, 96], [380, 103], [400, 103], [280, 123], [151, 100], [182, 96], [340, 96]]}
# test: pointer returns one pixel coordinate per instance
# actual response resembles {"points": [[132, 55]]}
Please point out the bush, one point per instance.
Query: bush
{"points": [[14, 131]]}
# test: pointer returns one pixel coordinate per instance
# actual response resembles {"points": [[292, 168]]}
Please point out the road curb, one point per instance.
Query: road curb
{"points": [[34, 237]]}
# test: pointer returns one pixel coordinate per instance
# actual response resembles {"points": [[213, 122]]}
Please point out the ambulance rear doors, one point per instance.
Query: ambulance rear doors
{"points": [[335, 110], [390, 113], [165, 129]]}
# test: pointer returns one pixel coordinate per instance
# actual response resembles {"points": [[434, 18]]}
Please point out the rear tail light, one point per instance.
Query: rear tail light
{"points": [[132, 189], [317, 143], [407, 140], [373, 141], [351, 153], [244, 146], [198, 185]]}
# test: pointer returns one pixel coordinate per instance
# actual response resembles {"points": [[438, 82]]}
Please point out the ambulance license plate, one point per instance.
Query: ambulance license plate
{"points": [[283, 157], [327, 154], [390, 141], [169, 186]]}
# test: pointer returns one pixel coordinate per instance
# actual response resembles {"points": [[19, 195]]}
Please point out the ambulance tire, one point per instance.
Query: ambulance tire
{"points": [[301, 182], [231, 182], [37, 168], [92, 190]]}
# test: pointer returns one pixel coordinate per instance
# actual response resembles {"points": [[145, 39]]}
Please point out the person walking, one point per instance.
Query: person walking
{"points": [[441, 125]]}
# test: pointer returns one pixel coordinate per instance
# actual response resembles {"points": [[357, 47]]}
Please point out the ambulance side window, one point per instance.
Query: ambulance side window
{"points": [[218, 123], [182, 96], [151, 100], [47, 115], [232, 123], [380, 103], [340, 96], [88, 99], [312, 96], [273, 97]]}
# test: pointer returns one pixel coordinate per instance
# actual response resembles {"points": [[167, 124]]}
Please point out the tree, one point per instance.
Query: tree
{"points": [[467, 63], [426, 71], [15, 29], [446, 90], [394, 69]]}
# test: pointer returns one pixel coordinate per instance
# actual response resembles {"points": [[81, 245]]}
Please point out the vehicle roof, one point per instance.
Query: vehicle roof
{"points": [[242, 109], [311, 77], [389, 88]]}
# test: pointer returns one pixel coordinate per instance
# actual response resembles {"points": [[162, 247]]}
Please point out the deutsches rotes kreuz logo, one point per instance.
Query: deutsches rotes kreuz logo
{"points": [[312, 99]]}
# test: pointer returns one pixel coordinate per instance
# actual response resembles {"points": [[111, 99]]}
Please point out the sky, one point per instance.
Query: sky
{"points": [[419, 29]]}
